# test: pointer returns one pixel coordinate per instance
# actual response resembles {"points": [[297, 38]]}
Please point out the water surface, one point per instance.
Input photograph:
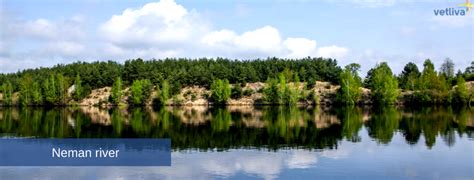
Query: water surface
{"points": [[264, 142]]}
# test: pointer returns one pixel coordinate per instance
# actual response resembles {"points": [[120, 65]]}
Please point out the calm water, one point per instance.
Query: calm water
{"points": [[264, 142]]}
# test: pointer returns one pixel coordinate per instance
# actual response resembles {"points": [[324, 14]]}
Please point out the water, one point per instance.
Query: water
{"points": [[264, 142]]}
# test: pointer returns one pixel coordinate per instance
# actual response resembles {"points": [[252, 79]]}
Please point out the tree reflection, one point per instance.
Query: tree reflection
{"points": [[383, 123], [243, 127]]}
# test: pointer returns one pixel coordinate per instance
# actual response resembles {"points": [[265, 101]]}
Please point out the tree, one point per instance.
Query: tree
{"points": [[25, 90], [163, 93], [461, 92], [236, 91], [408, 77], [384, 85], [62, 89], [116, 95], [349, 92], [137, 92], [221, 91], [447, 68], [429, 79], [270, 91], [7, 92], [50, 91], [37, 95], [469, 72], [78, 89]]}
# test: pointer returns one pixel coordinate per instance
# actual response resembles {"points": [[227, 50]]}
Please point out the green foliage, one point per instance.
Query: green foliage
{"points": [[184, 72], [236, 91], [7, 93], [349, 92], [163, 92], [37, 94], [78, 89], [116, 94], [384, 85], [447, 68], [280, 91], [461, 92], [25, 90], [141, 90], [469, 72], [54, 90], [409, 76], [270, 92], [221, 91]]}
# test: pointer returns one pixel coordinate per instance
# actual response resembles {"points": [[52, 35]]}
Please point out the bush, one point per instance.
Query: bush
{"points": [[349, 92], [236, 91], [461, 92], [116, 94], [141, 90], [384, 85], [221, 91]]}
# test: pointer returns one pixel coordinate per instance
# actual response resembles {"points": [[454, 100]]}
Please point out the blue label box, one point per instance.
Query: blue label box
{"points": [[85, 152]]}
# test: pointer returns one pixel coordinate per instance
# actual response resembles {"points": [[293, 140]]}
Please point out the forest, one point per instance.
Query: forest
{"points": [[224, 77]]}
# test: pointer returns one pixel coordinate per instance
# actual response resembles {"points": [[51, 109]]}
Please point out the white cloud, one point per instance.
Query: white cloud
{"points": [[155, 30], [333, 52], [300, 47], [165, 28]]}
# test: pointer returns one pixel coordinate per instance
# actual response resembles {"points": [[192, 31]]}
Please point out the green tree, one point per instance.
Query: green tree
{"points": [[50, 91], [384, 85], [447, 68], [349, 92], [270, 91], [78, 89], [221, 91], [62, 89], [236, 91], [147, 89], [116, 94], [409, 76], [37, 95], [25, 90], [137, 92], [461, 92], [163, 92], [7, 92]]}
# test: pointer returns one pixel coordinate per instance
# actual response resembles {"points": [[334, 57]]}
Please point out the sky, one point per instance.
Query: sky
{"points": [[49, 32]]}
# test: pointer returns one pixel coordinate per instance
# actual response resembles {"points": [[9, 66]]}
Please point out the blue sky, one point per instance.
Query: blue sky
{"points": [[44, 33]]}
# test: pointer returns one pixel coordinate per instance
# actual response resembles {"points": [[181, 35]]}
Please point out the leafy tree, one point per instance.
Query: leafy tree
{"points": [[461, 92], [429, 79], [147, 89], [62, 89], [409, 76], [384, 85], [221, 91], [447, 68], [141, 91], [349, 92], [25, 90], [163, 93], [137, 92], [116, 94], [78, 89], [37, 94], [236, 91], [7, 92], [50, 90], [469, 72], [270, 91]]}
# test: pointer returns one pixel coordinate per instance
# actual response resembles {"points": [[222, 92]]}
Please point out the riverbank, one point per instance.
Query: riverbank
{"points": [[252, 95]]}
